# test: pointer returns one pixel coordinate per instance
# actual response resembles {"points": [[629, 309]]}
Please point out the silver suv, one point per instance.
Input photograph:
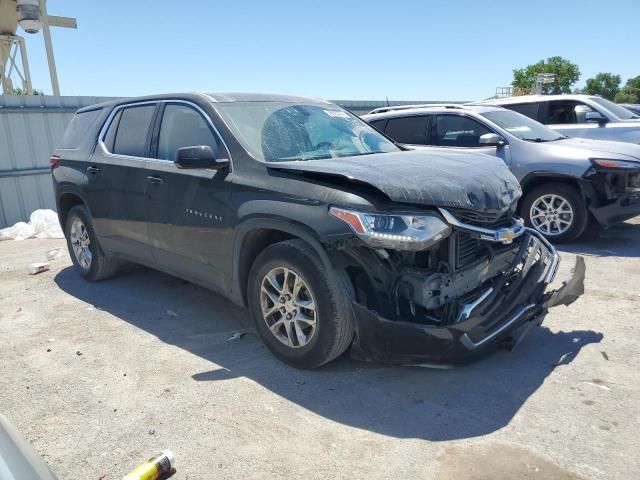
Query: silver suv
{"points": [[582, 116], [566, 182]]}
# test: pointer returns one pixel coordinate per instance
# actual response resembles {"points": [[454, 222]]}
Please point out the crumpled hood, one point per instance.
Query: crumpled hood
{"points": [[425, 177], [600, 148]]}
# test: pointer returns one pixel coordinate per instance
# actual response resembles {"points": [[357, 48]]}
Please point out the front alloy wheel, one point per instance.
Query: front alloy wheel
{"points": [[551, 215], [556, 210], [301, 309], [288, 307]]}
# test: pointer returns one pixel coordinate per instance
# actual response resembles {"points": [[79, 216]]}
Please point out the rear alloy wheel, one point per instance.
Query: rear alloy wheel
{"points": [[81, 244], [301, 310], [555, 210], [87, 256]]}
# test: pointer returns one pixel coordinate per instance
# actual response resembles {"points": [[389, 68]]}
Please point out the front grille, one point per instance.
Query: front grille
{"points": [[468, 250], [494, 219]]}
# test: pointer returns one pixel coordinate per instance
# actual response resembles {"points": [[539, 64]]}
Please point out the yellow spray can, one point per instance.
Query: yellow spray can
{"points": [[153, 468]]}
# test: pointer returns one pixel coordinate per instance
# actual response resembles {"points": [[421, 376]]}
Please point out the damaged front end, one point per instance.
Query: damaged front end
{"points": [[612, 188], [476, 281]]}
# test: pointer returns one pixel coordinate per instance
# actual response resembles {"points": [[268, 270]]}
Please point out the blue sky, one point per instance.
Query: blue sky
{"points": [[348, 49]]}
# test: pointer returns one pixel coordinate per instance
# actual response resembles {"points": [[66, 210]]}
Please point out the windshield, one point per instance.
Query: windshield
{"points": [[617, 110], [522, 127], [278, 131]]}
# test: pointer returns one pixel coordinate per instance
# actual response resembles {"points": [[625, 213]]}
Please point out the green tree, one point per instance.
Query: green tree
{"points": [[19, 91], [567, 74], [606, 85], [630, 93]]}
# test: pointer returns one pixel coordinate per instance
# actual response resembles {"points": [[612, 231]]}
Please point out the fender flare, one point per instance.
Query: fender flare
{"points": [[530, 177], [285, 226], [69, 189]]}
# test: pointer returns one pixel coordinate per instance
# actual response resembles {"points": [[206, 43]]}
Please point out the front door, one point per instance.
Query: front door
{"points": [[569, 118], [188, 209]]}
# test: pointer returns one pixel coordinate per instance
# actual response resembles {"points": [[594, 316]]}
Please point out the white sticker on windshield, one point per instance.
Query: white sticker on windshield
{"points": [[337, 113]]}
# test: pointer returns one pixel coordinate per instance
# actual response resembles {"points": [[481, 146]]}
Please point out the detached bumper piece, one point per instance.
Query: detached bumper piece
{"points": [[502, 311]]}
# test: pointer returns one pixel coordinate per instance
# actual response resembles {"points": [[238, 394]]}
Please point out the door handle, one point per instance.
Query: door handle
{"points": [[155, 180], [93, 169]]}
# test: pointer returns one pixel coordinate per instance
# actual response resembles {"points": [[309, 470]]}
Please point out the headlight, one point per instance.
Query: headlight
{"points": [[607, 163], [395, 231]]}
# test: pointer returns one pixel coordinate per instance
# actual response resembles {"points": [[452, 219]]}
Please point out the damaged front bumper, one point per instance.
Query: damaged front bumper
{"points": [[612, 196], [502, 312]]}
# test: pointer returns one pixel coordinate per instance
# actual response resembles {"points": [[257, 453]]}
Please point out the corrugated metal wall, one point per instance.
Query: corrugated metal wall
{"points": [[30, 128]]}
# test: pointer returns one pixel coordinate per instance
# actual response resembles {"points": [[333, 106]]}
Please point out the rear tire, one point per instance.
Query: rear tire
{"points": [[556, 210], [87, 256], [309, 337]]}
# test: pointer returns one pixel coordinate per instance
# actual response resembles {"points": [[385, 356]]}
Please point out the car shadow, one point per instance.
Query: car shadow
{"points": [[401, 402], [621, 240]]}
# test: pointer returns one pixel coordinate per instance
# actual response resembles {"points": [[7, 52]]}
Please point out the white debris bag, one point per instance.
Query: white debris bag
{"points": [[42, 224]]}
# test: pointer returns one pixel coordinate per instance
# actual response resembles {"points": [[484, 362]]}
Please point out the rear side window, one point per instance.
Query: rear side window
{"points": [[529, 109], [458, 131], [130, 138], [412, 130], [78, 127]]}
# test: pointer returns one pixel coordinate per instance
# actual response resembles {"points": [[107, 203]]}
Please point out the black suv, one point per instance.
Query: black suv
{"points": [[330, 233]]}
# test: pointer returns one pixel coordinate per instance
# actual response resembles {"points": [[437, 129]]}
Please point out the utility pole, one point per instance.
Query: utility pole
{"points": [[53, 21], [46, 33]]}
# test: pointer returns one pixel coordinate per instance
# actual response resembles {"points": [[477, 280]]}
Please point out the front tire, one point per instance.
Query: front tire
{"points": [[556, 210], [303, 317], [87, 256]]}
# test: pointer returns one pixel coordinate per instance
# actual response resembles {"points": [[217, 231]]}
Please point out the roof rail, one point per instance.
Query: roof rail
{"points": [[417, 105]]}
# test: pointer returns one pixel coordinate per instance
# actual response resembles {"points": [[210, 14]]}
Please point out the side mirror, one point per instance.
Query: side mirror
{"points": [[199, 156], [492, 140], [595, 117]]}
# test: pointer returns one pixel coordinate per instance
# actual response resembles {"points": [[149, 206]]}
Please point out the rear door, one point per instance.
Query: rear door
{"points": [[117, 179], [188, 209]]}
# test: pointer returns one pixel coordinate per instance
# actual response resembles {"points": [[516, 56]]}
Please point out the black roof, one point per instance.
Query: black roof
{"points": [[214, 97]]}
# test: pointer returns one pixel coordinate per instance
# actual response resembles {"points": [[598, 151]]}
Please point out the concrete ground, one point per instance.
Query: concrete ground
{"points": [[101, 376]]}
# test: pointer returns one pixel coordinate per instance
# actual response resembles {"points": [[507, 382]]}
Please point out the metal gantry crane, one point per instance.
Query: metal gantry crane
{"points": [[31, 16]]}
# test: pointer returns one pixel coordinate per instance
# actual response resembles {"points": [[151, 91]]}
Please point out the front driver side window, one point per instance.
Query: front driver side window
{"points": [[458, 131], [567, 112], [183, 126]]}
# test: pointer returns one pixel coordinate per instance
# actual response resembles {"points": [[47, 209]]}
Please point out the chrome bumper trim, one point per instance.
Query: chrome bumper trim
{"points": [[471, 345], [471, 306]]}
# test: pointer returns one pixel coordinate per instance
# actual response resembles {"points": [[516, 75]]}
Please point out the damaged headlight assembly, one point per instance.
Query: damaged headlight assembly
{"points": [[396, 231]]}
